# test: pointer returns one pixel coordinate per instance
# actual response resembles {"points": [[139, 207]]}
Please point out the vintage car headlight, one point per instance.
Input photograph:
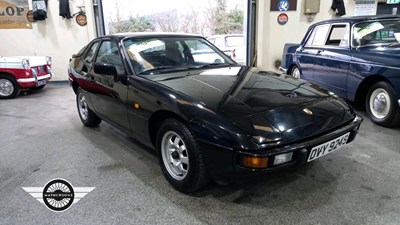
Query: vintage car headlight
{"points": [[25, 64], [48, 60]]}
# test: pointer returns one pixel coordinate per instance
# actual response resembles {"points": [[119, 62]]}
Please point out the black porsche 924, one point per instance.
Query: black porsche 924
{"points": [[206, 116]]}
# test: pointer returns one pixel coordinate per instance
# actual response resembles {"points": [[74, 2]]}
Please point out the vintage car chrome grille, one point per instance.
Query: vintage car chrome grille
{"points": [[40, 69]]}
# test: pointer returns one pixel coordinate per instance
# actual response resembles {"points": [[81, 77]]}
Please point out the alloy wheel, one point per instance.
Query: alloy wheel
{"points": [[175, 155], [83, 107], [6, 87]]}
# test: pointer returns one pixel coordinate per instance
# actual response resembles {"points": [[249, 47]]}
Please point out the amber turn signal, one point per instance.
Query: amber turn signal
{"points": [[255, 162]]}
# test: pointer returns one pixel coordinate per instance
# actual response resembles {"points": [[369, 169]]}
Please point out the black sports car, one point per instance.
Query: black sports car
{"points": [[206, 116]]}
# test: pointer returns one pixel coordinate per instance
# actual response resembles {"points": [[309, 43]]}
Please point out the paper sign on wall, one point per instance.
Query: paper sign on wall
{"points": [[13, 14], [365, 8]]}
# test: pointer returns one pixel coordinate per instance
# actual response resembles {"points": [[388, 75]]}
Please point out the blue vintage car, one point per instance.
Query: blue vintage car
{"points": [[357, 58]]}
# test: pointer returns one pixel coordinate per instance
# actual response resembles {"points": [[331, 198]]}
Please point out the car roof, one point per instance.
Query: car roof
{"points": [[355, 19], [120, 36]]}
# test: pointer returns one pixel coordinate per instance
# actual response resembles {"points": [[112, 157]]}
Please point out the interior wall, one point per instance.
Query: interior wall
{"points": [[271, 37], [55, 37]]}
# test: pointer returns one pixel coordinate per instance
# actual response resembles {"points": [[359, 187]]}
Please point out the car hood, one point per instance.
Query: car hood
{"points": [[263, 103]]}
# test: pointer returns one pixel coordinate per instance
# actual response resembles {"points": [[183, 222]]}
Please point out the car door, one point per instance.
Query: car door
{"points": [[330, 70], [110, 98], [306, 56]]}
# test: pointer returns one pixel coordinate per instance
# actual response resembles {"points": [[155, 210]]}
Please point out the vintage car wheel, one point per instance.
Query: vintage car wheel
{"points": [[296, 72], [9, 87], [382, 106], [88, 117], [180, 157]]}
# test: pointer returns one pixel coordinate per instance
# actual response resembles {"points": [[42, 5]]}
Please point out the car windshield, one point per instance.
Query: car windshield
{"points": [[165, 54], [385, 32]]}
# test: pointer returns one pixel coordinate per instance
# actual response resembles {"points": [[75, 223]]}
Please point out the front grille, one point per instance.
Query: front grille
{"points": [[40, 70]]}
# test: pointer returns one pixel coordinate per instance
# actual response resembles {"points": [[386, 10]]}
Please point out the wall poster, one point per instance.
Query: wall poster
{"points": [[365, 8], [13, 14]]}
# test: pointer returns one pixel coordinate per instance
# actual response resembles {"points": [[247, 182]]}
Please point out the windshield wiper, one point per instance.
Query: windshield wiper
{"points": [[162, 68], [213, 65]]}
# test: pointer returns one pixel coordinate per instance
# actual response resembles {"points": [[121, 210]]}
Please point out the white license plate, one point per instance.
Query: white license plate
{"points": [[40, 83], [327, 147]]}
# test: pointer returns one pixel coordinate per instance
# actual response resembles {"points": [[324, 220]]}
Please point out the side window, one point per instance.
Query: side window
{"points": [[89, 56], [339, 36], [319, 36], [109, 54]]}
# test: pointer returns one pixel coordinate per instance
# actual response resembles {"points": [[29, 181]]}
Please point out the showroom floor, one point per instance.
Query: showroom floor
{"points": [[42, 138]]}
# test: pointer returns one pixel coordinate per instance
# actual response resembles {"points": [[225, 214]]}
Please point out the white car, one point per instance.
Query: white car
{"points": [[231, 44]]}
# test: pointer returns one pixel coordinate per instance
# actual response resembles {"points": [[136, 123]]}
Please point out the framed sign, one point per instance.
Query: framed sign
{"points": [[81, 19], [283, 5], [13, 14]]}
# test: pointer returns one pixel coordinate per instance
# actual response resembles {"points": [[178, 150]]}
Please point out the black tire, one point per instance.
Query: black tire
{"points": [[87, 116], [196, 176], [8, 80], [293, 72], [382, 106]]}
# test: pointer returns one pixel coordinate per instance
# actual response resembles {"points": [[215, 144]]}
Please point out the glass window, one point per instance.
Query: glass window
{"points": [[109, 54], [157, 55], [89, 56], [383, 32], [339, 36], [88, 60], [319, 36]]}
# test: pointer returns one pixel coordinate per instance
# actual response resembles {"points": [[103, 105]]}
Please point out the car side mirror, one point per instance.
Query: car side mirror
{"points": [[106, 69]]}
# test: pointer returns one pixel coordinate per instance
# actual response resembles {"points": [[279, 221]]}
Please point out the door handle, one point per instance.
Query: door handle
{"points": [[319, 51]]}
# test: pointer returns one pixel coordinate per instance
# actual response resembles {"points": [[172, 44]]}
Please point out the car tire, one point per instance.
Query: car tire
{"points": [[9, 87], [382, 106], [295, 72], [180, 157], [88, 117]]}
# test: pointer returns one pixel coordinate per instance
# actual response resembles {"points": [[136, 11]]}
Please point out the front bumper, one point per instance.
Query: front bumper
{"points": [[283, 69], [225, 164], [34, 81]]}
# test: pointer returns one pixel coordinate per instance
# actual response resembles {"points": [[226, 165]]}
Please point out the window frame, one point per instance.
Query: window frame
{"points": [[347, 27], [366, 21], [119, 53], [89, 67], [327, 36]]}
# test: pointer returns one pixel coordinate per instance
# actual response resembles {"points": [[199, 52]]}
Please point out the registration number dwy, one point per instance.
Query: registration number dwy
{"points": [[327, 147]]}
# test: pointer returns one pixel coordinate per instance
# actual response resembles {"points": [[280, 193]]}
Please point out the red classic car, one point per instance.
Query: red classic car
{"points": [[23, 72]]}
